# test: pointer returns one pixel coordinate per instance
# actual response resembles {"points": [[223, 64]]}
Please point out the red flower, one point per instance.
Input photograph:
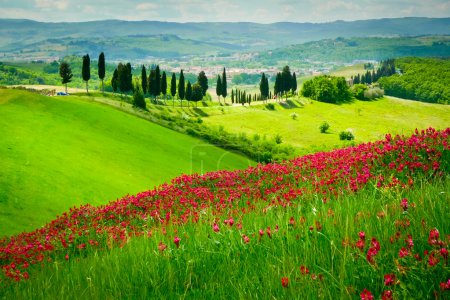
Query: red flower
{"points": [[403, 252], [304, 270], [285, 282], [177, 240], [216, 227], [409, 242], [444, 253], [67, 257], [432, 260], [389, 279], [261, 233], [387, 295], [269, 233], [375, 244], [246, 239], [404, 204], [366, 295], [162, 246], [433, 237], [360, 244], [362, 235]]}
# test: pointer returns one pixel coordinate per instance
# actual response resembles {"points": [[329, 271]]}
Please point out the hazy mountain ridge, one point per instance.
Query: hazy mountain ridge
{"points": [[217, 37]]}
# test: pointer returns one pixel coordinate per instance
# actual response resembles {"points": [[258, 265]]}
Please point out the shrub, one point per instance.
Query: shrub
{"points": [[324, 127], [270, 106], [278, 139], [294, 116], [346, 135], [138, 99]]}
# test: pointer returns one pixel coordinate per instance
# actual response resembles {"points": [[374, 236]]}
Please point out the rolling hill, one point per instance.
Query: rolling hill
{"points": [[28, 39], [57, 152]]}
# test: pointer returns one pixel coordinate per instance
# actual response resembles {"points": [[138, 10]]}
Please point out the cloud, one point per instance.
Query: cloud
{"points": [[261, 11], [52, 4], [147, 6]]}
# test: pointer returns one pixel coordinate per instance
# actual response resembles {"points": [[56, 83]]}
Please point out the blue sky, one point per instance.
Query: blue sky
{"points": [[261, 11]]}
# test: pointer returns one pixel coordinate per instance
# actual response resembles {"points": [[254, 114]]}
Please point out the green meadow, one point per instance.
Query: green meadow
{"points": [[58, 152]]}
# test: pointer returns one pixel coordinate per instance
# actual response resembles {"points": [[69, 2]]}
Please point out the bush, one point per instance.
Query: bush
{"points": [[278, 139], [138, 99], [294, 116], [270, 106], [346, 135], [324, 127]]}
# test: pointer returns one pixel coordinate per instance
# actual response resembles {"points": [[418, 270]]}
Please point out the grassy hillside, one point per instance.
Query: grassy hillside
{"points": [[363, 221], [57, 152], [368, 120]]}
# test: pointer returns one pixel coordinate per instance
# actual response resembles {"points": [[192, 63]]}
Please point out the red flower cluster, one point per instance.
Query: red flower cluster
{"points": [[392, 162]]}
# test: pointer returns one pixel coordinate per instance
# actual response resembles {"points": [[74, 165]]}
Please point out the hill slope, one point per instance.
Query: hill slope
{"points": [[57, 152]]}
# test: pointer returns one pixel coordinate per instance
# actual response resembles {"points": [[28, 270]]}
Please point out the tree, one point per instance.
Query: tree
{"points": [[124, 77], [232, 96], [138, 97], [129, 77], [144, 80], [219, 87], [278, 85], [189, 92], [157, 82], [224, 85], [294, 83], [152, 83], [86, 70], [264, 86], [164, 85], [114, 80], [173, 87], [181, 88], [203, 82], [197, 93], [101, 69], [286, 80], [66, 73]]}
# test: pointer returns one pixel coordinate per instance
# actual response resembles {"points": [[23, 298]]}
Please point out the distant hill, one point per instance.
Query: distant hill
{"points": [[346, 50], [140, 39]]}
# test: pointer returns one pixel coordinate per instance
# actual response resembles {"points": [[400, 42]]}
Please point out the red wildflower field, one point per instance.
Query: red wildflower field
{"points": [[226, 197]]}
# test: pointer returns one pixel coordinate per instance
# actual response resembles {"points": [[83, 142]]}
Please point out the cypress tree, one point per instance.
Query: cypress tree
{"points": [[203, 81], [224, 85], [86, 70], [294, 83], [114, 80], [189, 92], [129, 77], [164, 85], [219, 87], [262, 84], [122, 78], [232, 96], [157, 82], [277, 88], [181, 88], [101, 69], [286, 80], [173, 87], [144, 80], [66, 73], [152, 84]]}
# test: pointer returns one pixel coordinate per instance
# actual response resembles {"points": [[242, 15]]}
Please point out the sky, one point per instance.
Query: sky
{"points": [[260, 11]]}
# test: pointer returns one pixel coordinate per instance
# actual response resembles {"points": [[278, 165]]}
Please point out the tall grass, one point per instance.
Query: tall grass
{"points": [[319, 236]]}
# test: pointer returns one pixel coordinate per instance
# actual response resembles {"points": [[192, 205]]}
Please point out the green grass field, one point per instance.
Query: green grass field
{"points": [[369, 120], [57, 152]]}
